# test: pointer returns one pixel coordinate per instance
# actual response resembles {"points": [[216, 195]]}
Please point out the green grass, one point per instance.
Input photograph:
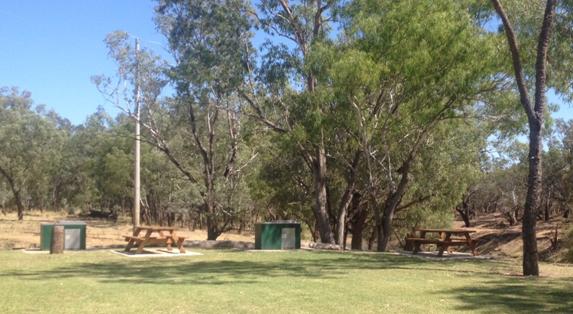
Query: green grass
{"points": [[279, 282]]}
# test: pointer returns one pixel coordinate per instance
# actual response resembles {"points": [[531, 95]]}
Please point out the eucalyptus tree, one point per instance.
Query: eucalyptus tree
{"points": [[210, 42], [537, 36], [28, 142], [416, 68], [364, 105]]}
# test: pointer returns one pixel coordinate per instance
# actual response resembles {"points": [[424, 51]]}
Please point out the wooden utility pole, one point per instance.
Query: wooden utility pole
{"points": [[137, 150]]}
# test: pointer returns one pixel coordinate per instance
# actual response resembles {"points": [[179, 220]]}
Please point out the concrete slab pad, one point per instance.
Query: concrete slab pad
{"points": [[153, 252], [433, 255]]}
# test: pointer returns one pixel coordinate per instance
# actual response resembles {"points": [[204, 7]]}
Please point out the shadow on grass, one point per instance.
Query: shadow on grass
{"points": [[517, 295], [240, 269]]}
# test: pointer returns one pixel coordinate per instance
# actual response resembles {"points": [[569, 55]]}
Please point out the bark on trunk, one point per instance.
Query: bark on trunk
{"points": [[320, 211], [19, 204], [347, 199], [342, 213], [15, 192], [465, 215], [529, 236], [212, 229], [547, 207], [385, 230], [535, 120], [357, 223], [392, 202]]}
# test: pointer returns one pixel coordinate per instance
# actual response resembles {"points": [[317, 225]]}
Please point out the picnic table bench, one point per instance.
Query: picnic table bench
{"points": [[444, 241], [165, 236]]}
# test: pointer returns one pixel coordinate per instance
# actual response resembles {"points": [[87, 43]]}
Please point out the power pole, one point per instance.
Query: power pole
{"points": [[137, 150]]}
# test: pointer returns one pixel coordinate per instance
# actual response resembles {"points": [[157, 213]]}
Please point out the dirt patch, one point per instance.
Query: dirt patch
{"points": [[496, 238], [100, 233]]}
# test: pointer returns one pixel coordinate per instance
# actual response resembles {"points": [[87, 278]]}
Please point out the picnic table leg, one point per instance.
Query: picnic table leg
{"points": [[418, 245], [129, 245], [174, 238], [131, 242], [443, 246], [169, 243], [170, 240], [142, 244], [180, 245], [140, 247], [471, 243]]}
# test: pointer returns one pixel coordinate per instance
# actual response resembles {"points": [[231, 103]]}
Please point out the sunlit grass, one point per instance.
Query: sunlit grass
{"points": [[235, 281]]}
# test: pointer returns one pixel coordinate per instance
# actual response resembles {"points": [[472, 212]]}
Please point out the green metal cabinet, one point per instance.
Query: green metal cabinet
{"points": [[74, 233], [279, 235]]}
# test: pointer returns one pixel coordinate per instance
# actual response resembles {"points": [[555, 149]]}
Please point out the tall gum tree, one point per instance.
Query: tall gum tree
{"points": [[27, 145], [394, 82], [210, 42], [438, 67], [300, 25], [535, 115]]}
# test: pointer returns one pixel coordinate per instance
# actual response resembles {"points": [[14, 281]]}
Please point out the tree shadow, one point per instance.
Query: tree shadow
{"points": [[517, 295], [238, 269]]}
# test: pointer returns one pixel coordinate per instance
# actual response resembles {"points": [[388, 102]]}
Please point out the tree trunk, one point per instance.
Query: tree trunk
{"points": [[345, 238], [535, 120], [392, 202], [212, 229], [15, 192], [372, 237], [548, 203], [385, 230], [511, 219], [464, 214], [19, 204], [464, 211], [342, 213], [529, 236], [358, 222], [320, 211], [347, 199]]}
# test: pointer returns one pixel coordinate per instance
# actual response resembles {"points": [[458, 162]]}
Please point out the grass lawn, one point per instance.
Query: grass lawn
{"points": [[294, 282]]}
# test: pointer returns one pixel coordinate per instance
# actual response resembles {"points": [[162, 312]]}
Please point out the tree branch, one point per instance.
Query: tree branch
{"points": [[540, 63], [515, 56]]}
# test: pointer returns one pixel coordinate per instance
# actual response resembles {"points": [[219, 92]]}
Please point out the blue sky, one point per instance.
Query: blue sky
{"points": [[52, 48]]}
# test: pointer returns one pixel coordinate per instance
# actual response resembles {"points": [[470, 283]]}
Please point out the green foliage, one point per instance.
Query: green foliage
{"points": [[30, 144], [210, 40]]}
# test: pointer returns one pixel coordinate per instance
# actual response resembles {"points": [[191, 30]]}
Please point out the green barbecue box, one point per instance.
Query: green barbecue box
{"points": [[74, 235], [277, 235]]}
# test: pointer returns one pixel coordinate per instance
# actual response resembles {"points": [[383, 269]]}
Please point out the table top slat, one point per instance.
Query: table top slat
{"points": [[157, 228], [447, 230]]}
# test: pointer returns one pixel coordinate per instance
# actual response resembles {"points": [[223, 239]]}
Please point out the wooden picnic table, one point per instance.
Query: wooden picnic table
{"points": [[444, 240], [154, 235]]}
